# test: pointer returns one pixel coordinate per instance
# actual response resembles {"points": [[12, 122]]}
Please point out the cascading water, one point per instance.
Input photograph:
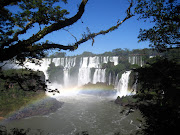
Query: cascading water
{"points": [[105, 59], [122, 88], [87, 69], [84, 72], [110, 79], [76, 115], [43, 67], [116, 82], [114, 59], [84, 76], [56, 61], [99, 76], [94, 62], [136, 60], [66, 77]]}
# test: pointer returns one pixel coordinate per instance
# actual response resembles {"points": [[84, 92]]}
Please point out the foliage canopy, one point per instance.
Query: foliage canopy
{"points": [[49, 16], [165, 15]]}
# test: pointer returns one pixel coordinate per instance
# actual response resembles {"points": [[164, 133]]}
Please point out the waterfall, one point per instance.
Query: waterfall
{"points": [[116, 82], [114, 59], [84, 76], [103, 75], [43, 67], [56, 61], [94, 62], [85, 70], [122, 87], [62, 62], [114, 79], [86, 63], [105, 59], [99, 76], [110, 79], [66, 77], [67, 63], [136, 60]]}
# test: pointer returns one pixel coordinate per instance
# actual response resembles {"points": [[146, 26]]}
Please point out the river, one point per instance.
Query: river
{"points": [[83, 114]]}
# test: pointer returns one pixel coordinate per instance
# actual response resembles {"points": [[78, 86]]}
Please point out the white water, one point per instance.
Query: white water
{"points": [[87, 63], [89, 69], [136, 60], [84, 72], [82, 112], [114, 59], [99, 76], [116, 82], [122, 88], [84, 76], [66, 77], [43, 67], [110, 79]]}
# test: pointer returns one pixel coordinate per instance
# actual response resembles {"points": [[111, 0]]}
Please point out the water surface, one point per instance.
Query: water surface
{"points": [[95, 115]]}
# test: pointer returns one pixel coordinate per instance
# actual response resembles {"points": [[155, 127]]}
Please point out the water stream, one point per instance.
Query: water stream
{"points": [[95, 115]]}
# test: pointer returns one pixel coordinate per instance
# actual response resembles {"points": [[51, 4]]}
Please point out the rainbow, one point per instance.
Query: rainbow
{"points": [[27, 108]]}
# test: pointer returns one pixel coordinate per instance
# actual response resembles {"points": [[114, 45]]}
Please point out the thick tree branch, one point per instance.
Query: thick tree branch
{"points": [[15, 37], [21, 46], [49, 29], [103, 32], [27, 46], [46, 46], [59, 25], [90, 36]]}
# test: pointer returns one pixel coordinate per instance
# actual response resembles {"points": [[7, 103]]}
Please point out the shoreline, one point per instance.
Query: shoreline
{"points": [[42, 107]]}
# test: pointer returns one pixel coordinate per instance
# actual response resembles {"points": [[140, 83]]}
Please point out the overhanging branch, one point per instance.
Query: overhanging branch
{"points": [[27, 45], [46, 46], [103, 32], [57, 26], [15, 37]]}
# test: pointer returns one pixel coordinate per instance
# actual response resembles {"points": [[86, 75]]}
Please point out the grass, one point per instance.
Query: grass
{"points": [[13, 99], [98, 86]]}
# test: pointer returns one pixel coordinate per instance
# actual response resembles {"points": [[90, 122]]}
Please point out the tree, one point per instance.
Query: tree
{"points": [[158, 81], [165, 15], [87, 54], [58, 55], [158, 96], [49, 18]]}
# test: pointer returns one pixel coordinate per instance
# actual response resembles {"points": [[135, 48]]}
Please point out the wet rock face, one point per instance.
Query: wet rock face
{"points": [[128, 101], [43, 107], [118, 100]]}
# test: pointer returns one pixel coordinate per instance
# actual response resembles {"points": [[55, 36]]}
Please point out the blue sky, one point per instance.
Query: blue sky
{"points": [[100, 15]]}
